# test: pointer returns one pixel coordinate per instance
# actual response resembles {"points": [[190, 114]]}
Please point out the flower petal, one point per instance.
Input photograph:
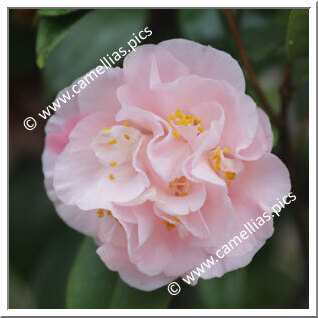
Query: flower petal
{"points": [[206, 61]]}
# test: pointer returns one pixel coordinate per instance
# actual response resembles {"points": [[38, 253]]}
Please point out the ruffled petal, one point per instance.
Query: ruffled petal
{"points": [[100, 95], [81, 179], [206, 61], [264, 181]]}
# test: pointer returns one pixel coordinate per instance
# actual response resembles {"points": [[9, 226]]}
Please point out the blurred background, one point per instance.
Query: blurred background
{"points": [[48, 49]]}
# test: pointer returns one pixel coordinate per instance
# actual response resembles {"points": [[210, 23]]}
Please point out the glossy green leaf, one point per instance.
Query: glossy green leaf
{"points": [[52, 31], [53, 266], [32, 218], [298, 33], [101, 32], [92, 285], [55, 12], [127, 297], [224, 292]]}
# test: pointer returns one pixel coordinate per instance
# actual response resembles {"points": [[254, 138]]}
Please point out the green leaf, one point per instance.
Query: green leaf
{"points": [[52, 268], [200, 25], [270, 287], [127, 297], [101, 32], [224, 292], [32, 218], [55, 12], [52, 31], [275, 134], [298, 33], [92, 285]]}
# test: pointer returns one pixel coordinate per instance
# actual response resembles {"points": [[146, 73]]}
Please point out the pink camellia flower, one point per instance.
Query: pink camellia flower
{"points": [[163, 161]]}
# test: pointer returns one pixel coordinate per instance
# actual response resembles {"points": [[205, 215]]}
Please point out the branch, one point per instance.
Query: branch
{"points": [[289, 158], [249, 69]]}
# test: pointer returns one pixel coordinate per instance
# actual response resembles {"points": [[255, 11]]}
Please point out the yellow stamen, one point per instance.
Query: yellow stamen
{"points": [[111, 176], [200, 128], [107, 128], [178, 113], [217, 164], [198, 120], [126, 123], [176, 134], [180, 186], [217, 158], [169, 226], [112, 142], [188, 121], [181, 122], [127, 136], [230, 175], [108, 212], [100, 213], [226, 150], [171, 117], [175, 219], [169, 123], [113, 164]]}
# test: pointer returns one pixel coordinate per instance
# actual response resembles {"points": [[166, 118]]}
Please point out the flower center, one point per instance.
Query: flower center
{"points": [[114, 147], [180, 187], [101, 214], [224, 166], [181, 119], [172, 224]]}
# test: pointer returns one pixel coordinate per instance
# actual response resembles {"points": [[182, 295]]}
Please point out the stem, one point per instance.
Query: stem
{"points": [[249, 69]]}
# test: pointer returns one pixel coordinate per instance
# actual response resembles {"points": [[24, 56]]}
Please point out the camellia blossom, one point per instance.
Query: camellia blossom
{"points": [[161, 163]]}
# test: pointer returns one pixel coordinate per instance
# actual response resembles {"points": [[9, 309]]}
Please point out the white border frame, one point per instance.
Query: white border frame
{"points": [[312, 162]]}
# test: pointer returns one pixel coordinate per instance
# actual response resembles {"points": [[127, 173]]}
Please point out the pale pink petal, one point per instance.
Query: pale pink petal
{"points": [[241, 122], [263, 140], [56, 142], [264, 181], [117, 259], [181, 205], [85, 222], [179, 256], [217, 212], [100, 95], [207, 61], [150, 62], [66, 111], [154, 66], [167, 156], [81, 179]]}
